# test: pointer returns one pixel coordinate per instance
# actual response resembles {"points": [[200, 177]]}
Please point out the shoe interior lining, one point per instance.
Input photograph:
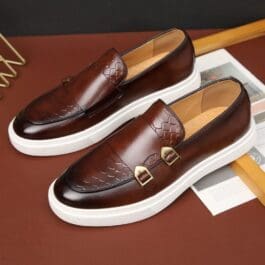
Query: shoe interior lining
{"points": [[202, 107], [151, 52]]}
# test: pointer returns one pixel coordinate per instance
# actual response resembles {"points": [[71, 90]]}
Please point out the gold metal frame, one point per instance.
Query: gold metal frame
{"points": [[8, 63], [165, 150], [140, 170]]}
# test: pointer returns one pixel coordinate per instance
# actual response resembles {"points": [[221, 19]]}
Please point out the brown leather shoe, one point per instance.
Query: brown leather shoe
{"points": [[85, 108], [148, 163]]}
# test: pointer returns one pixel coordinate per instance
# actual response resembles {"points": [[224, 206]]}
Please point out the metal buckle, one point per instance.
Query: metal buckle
{"points": [[165, 151], [139, 170]]}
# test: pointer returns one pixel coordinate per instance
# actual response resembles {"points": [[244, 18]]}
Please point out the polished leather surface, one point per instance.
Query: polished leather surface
{"points": [[105, 176], [98, 91], [78, 94], [185, 233]]}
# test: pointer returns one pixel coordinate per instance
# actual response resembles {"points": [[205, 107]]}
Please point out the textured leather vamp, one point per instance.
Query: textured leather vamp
{"points": [[96, 84], [137, 143]]}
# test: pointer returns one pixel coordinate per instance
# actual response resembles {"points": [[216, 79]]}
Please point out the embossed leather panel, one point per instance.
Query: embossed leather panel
{"points": [[101, 174], [79, 93], [139, 143], [113, 163], [166, 124]]}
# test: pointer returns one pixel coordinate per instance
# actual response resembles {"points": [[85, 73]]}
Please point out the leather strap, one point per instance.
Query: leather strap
{"points": [[158, 127], [139, 143]]}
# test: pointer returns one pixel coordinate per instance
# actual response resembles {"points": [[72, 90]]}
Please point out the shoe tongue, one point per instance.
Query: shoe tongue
{"points": [[166, 123]]}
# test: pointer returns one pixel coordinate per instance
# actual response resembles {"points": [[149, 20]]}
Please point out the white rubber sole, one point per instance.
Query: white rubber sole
{"points": [[151, 206], [94, 134]]}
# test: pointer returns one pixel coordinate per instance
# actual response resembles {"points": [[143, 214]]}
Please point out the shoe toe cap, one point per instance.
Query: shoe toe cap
{"points": [[24, 128], [65, 194]]}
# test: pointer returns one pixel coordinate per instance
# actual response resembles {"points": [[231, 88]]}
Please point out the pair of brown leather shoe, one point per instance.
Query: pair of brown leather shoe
{"points": [[177, 133]]}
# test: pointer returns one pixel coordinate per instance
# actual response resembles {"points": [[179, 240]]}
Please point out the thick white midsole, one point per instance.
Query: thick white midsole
{"points": [[149, 207], [92, 135]]}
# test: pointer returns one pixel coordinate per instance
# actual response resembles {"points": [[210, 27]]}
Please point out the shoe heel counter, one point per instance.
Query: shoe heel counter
{"points": [[246, 105]]}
